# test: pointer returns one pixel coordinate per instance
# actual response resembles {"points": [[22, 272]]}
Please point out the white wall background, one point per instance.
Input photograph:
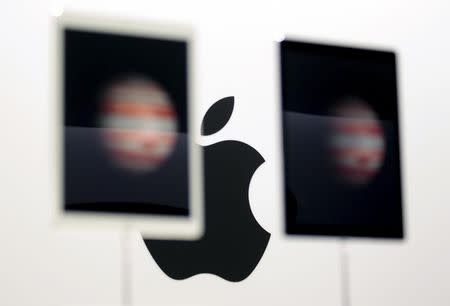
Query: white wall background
{"points": [[40, 265]]}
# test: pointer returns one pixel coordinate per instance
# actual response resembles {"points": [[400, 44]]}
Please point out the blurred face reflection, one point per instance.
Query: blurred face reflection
{"points": [[138, 123], [357, 144]]}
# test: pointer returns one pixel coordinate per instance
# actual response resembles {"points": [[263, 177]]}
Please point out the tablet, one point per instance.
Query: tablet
{"points": [[341, 141], [126, 112]]}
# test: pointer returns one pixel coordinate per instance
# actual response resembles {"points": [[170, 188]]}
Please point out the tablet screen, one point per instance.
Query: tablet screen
{"points": [[125, 124], [341, 141]]}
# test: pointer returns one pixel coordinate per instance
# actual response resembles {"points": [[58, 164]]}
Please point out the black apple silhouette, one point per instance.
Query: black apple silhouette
{"points": [[233, 242]]}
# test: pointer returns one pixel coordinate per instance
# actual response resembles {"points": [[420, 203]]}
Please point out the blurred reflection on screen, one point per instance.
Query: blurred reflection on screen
{"points": [[138, 123], [356, 141]]}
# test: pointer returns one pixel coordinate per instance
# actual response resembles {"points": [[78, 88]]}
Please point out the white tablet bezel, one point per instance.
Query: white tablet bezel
{"points": [[151, 225]]}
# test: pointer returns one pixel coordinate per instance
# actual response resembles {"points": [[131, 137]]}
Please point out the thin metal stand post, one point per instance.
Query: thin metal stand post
{"points": [[126, 268], [345, 274]]}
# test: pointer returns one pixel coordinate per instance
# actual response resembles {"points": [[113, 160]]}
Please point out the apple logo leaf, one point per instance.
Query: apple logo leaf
{"points": [[217, 116]]}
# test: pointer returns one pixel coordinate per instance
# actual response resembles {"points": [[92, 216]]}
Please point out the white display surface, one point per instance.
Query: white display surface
{"points": [[40, 266]]}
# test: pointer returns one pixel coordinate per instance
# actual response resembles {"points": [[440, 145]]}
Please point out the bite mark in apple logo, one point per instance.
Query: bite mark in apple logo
{"points": [[233, 242]]}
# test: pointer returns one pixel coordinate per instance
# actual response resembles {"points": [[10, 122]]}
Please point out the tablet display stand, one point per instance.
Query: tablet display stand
{"points": [[126, 290], [344, 263]]}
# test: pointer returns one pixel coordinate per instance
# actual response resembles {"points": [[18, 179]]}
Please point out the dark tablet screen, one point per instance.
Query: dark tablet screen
{"points": [[341, 141], [125, 124]]}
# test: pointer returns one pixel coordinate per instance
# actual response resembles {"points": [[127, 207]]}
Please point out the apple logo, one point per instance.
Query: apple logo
{"points": [[233, 242]]}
